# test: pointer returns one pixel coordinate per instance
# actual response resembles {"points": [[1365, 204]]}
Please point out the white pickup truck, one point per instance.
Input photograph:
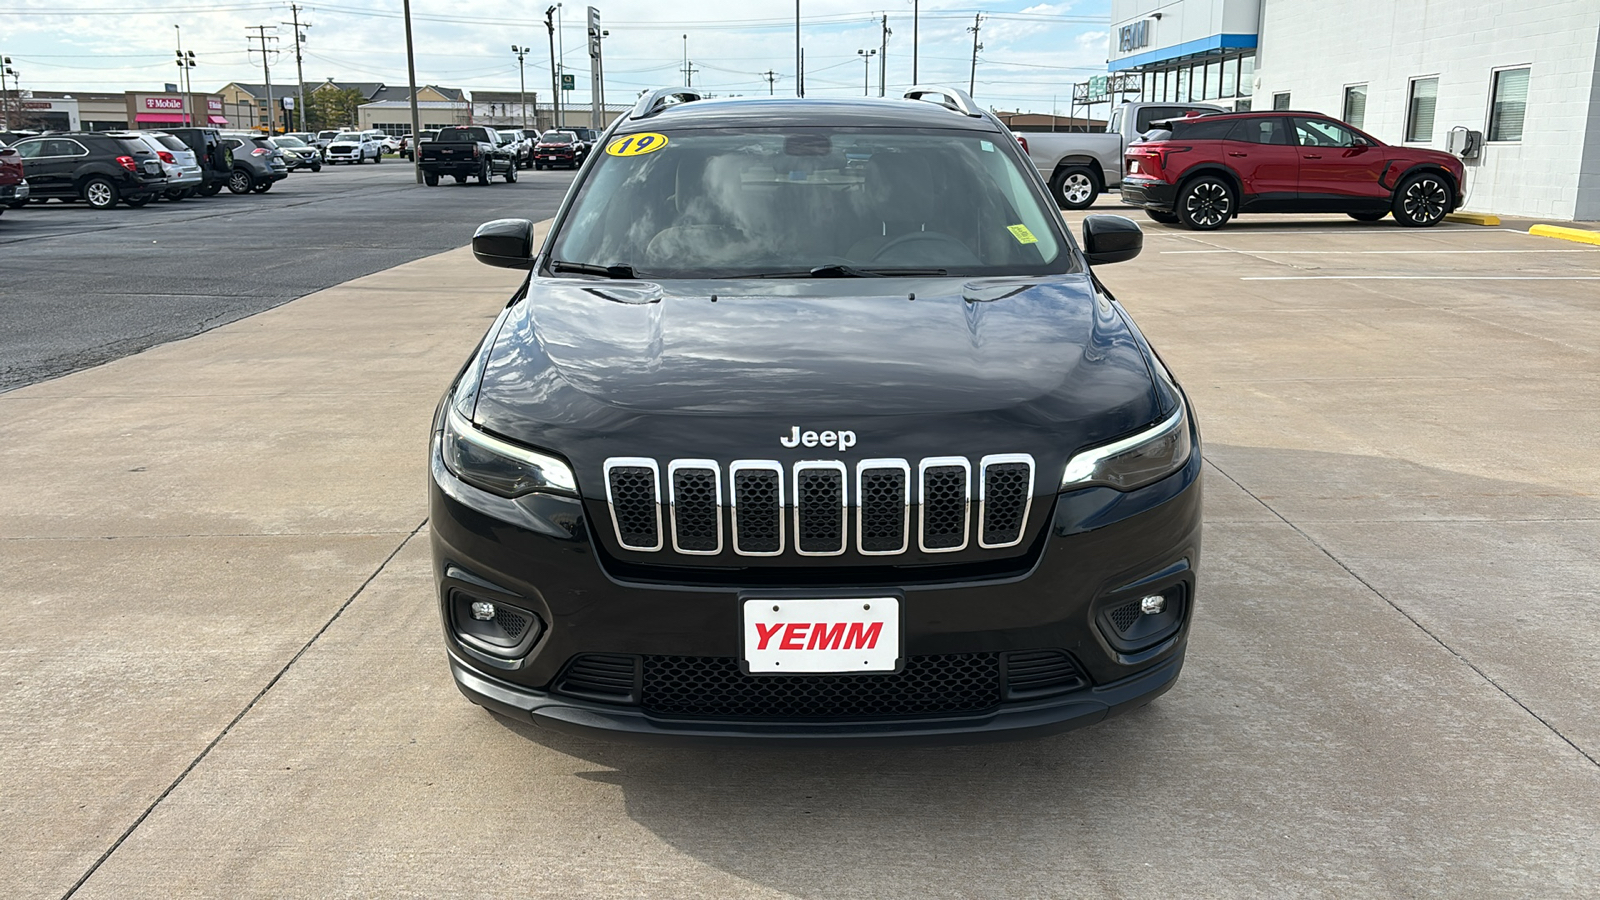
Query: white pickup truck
{"points": [[1078, 166]]}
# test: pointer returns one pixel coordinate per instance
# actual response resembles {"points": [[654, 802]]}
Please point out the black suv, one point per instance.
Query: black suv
{"points": [[257, 163], [101, 168], [778, 443]]}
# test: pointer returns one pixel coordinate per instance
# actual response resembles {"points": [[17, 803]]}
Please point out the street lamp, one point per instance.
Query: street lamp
{"points": [[522, 77], [185, 62], [866, 70], [5, 101]]}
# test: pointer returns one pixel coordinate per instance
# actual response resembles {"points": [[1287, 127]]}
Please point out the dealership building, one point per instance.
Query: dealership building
{"points": [[1517, 83]]}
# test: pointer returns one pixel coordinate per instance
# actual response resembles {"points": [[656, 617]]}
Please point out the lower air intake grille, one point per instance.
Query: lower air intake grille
{"points": [[714, 687], [595, 676], [1125, 615], [636, 506], [1041, 673]]}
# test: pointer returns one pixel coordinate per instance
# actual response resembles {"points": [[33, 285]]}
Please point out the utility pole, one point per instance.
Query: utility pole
{"points": [[771, 78], [185, 63], [799, 55], [416, 117], [266, 71], [802, 78], [596, 113], [916, 19], [299, 70], [5, 98], [883, 53], [555, 74], [522, 78], [866, 70], [972, 79]]}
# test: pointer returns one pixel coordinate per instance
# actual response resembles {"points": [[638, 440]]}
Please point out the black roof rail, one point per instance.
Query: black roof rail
{"points": [[953, 99], [661, 98]]}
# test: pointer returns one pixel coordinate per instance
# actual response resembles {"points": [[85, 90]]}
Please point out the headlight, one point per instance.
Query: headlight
{"points": [[498, 466], [1136, 461]]}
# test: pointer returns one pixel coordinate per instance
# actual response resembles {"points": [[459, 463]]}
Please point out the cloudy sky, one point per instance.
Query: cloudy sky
{"points": [[1032, 52]]}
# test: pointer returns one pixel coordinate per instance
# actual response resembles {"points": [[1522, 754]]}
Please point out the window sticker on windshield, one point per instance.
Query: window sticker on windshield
{"points": [[987, 147], [1022, 234], [637, 144]]}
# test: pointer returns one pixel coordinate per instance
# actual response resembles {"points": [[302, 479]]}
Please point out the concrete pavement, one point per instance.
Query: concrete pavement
{"points": [[221, 673]]}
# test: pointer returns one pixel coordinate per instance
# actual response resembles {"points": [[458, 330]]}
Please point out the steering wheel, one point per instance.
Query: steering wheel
{"points": [[934, 242]]}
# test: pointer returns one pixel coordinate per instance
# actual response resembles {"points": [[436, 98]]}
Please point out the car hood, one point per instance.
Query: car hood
{"points": [[724, 369]]}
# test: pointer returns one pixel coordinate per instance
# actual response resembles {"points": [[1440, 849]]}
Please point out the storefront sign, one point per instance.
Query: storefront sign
{"points": [[214, 104], [163, 103], [1133, 36]]}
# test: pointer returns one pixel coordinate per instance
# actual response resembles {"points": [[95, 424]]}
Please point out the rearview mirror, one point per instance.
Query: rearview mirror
{"points": [[506, 243], [1111, 239]]}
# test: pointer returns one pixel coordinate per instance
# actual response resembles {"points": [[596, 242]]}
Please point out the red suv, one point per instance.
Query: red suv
{"points": [[1204, 170]]}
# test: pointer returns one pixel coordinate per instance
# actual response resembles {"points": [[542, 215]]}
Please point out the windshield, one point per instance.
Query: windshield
{"points": [[736, 203], [557, 137], [351, 136], [289, 141]]}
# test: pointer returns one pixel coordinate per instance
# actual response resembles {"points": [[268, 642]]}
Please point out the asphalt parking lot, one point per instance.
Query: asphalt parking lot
{"points": [[79, 287], [222, 676]]}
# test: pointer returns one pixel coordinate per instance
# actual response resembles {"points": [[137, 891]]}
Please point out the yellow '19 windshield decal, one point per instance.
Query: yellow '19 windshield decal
{"points": [[637, 144]]}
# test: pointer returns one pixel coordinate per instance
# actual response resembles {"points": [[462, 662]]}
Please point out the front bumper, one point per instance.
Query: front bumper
{"points": [[1148, 193], [19, 191], [1101, 549], [344, 154]]}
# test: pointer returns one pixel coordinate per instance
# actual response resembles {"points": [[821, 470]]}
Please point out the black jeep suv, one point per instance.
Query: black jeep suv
{"points": [[101, 168], [780, 442]]}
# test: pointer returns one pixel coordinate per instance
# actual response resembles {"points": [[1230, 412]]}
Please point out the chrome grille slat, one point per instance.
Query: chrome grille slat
{"points": [[820, 507], [883, 507], [756, 502], [1005, 497], [633, 493], [694, 493], [945, 492]]}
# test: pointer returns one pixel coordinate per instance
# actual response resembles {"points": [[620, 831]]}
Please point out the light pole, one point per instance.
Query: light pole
{"points": [[883, 53], [866, 70], [416, 117], [522, 78], [5, 100], [299, 67], [185, 63], [555, 74], [799, 60], [916, 18]]}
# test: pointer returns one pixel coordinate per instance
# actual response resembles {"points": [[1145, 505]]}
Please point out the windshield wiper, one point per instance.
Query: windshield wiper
{"points": [[620, 270], [840, 270]]}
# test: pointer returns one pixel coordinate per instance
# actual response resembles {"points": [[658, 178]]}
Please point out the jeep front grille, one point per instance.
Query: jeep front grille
{"points": [[821, 496]]}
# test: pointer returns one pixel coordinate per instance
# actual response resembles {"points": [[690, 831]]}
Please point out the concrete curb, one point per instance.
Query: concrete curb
{"points": [[1580, 235], [1472, 218]]}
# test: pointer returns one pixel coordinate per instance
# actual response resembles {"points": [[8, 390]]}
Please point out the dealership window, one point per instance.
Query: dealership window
{"points": [[1419, 112], [1213, 80], [1280, 100], [1509, 104], [1182, 96], [1230, 79], [1247, 76], [1355, 105]]}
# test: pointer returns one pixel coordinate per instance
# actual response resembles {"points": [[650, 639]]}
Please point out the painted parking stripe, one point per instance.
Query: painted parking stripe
{"points": [[1420, 279], [1373, 252]]}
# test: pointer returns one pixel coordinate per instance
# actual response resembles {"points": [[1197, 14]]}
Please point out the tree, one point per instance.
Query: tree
{"points": [[328, 108]]}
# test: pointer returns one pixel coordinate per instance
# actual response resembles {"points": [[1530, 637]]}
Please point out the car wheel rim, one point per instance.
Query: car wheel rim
{"points": [[99, 194], [1425, 200], [239, 182], [1078, 188], [1208, 203]]}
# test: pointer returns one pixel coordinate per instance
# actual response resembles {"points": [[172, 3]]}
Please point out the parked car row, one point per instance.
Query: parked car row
{"points": [[105, 168]]}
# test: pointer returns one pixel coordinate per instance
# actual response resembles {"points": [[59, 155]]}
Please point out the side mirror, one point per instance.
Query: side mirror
{"points": [[506, 243], [1359, 141], [1111, 239]]}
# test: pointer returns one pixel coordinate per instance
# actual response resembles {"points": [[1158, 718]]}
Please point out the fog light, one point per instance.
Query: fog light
{"points": [[484, 611], [1152, 605]]}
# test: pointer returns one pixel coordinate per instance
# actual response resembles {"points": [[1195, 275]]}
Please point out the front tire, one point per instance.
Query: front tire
{"points": [[100, 193], [316, 167], [1422, 200], [1075, 187], [241, 182], [1164, 218], [1206, 203], [511, 172]]}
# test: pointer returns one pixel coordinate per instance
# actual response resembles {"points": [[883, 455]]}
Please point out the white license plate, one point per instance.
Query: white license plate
{"points": [[860, 634]]}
